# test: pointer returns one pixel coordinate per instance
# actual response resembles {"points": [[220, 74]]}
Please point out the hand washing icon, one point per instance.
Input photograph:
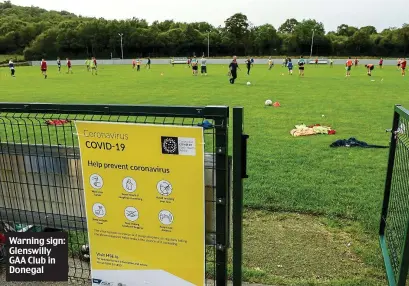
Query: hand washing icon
{"points": [[96, 181]]}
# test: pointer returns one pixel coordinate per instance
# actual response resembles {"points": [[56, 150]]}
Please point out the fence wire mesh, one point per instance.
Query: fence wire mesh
{"points": [[41, 179], [397, 219]]}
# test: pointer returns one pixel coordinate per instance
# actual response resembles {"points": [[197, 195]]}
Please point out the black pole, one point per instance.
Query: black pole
{"points": [[239, 143], [389, 174]]}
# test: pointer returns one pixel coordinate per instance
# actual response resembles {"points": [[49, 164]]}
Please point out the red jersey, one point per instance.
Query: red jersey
{"points": [[403, 64], [356, 61], [380, 62], [95, 62], [349, 63], [69, 63], [43, 65]]}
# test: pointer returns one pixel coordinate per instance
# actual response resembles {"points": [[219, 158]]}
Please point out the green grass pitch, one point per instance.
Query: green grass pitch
{"points": [[343, 187]]}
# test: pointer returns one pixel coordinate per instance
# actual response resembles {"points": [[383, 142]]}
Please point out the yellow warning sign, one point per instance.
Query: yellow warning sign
{"points": [[144, 195]]}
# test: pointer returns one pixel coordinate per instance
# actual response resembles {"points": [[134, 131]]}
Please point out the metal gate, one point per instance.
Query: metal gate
{"points": [[394, 227], [41, 179]]}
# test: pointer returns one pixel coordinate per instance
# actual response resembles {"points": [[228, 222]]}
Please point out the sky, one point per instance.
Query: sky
{"points": [[332, 13]]}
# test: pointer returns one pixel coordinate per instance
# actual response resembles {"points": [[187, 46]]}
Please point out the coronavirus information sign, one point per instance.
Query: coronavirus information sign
{"points": [[39, 256]]}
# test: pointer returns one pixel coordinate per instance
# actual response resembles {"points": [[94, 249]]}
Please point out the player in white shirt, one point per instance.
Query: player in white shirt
{"points": [[203, 67], [270, 63]]}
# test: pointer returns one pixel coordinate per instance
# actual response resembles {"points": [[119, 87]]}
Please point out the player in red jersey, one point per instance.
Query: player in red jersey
{"points": [[356, 62], [370, 68], [403, 66], [69, 66], [381, 63], [43, 67]]}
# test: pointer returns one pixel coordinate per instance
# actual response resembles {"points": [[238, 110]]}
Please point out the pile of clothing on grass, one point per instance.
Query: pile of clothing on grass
{"points": [[304, 130]]}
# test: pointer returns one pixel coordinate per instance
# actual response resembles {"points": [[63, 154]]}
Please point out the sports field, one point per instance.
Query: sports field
{"points": [[312, 212]]}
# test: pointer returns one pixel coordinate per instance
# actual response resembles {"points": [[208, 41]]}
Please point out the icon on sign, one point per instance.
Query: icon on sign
{"points": [[98, 210], [170, 145], [131, 213], [96, 181], [166, 217], [129, 184], [164, 188]]}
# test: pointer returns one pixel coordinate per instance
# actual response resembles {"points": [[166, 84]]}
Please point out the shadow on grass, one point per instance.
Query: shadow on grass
{"points": [[293, 249]]}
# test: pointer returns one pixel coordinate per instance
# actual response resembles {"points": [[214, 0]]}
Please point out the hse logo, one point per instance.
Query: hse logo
{"points": [[178, 146], [170, 145]]}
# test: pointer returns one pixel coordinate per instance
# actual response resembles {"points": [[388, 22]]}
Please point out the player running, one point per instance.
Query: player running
{"points": [[233, 70], [356, 62], [270, 63], [59, 65], [403, 66], [348, 66], [398, 61], [43, 67], [370, 68], [331, 63], [133, 64], [11, 67], [290, 67], [94, 66], [203, 67], [248, 64], [381, 63], [301, 66], [316, 62], [69, 67], [148, 63]]}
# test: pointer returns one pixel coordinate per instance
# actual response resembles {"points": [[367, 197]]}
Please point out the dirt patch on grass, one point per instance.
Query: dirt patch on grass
{"points": [[293, 247]]}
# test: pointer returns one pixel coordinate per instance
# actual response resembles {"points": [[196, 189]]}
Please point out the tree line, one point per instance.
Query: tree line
{"points": [[38, 33]]}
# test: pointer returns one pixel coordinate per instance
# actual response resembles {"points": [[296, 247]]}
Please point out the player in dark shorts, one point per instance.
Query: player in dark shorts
{"points": [[194, 64], [233, 70], [248, 64], [59, 65], [11, 67], [370, 68], [301, 66], [381, 63]]}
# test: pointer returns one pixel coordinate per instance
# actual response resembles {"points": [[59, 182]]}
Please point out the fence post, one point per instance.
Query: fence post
{"points": [[239, 172], [222, 182], [388, 181]]}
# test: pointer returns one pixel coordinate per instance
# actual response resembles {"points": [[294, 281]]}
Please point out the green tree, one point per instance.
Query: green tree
{"points": [[288, 26]]}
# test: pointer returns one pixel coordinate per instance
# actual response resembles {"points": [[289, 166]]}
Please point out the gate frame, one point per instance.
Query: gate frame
{"points": [[220, 115], [400, 278]]}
